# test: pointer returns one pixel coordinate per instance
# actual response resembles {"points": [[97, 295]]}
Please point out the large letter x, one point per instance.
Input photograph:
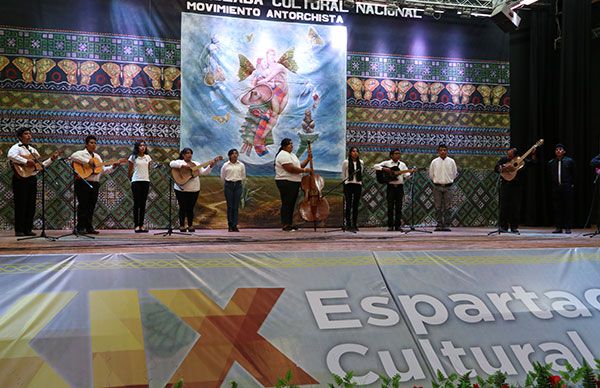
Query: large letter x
{"points": [[228, 335]]}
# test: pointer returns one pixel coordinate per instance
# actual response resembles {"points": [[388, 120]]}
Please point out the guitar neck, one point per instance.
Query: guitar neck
{"points": [[199, 166], [526, 154]]}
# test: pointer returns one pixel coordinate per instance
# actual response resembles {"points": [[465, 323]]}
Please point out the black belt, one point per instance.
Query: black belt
{"points": [[443, 184]]}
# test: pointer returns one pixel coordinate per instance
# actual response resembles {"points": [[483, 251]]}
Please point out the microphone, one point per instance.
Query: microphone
{"points": [[157, 166]]}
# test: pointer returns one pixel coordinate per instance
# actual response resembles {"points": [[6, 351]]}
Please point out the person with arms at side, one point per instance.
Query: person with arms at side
{"points": [[187, 193], [442, 172], [395, 188], [23, 156], [87, 190], [288, 175], [562, 175], [233, 175], [510, 192], [352, 171], [139, 175]]}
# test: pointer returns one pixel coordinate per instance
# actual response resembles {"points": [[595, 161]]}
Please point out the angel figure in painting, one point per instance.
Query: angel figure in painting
{"points": [[266, 99]]}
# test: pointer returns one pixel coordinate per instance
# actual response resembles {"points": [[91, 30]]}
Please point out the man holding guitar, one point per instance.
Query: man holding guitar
{"points": [[442, 172], [394, 172], [88, 167], [24, 159], [510, 186]]}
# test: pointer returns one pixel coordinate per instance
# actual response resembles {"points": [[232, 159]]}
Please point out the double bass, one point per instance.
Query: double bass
{"points": [[314, 207]]}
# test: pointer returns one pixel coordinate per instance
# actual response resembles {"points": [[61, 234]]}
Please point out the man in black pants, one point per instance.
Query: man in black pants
{"points": [[86, 190], [24, 155], [510, 193], [395, 188], [562, 175]]}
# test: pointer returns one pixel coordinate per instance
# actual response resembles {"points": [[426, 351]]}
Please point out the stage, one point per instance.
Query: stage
{"points": [[305, 239]]}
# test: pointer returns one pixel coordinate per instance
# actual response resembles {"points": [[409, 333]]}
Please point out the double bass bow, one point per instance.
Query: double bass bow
{"points": [[314, 207]]}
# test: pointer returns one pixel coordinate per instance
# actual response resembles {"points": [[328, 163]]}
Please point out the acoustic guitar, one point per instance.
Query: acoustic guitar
{"points": [[25, 171], [85, 170], [181, 176], [509, 170], [385, 177]]}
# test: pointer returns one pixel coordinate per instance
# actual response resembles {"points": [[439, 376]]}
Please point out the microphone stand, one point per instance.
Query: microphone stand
{"points": [[74, 232], [411, 227], [498, 228], [343, 227], [597, 232], [170, 231], [43, 231]]}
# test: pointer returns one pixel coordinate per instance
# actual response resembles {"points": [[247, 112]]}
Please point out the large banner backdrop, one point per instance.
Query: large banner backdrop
{"points": [[247, 84], [147, 320]]}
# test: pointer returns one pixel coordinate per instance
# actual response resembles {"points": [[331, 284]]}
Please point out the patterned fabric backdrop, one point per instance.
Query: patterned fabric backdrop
{"points": [[414, 104], [66, 85]]}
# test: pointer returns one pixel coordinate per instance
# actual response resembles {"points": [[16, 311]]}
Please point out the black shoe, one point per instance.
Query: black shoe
{"points": [[556, 231], [92, 231], [182, 229], [30, 233], [356, 229], [446, 230], [287, 228], [567, 231], [142, 230], [191, 229], [230, 229], [438, 229], [295, 227], [514, 230], [80, 231], [19, 234], [137, 230], [235, 229]]}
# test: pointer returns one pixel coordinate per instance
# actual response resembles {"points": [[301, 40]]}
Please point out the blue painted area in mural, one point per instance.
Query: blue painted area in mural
{"points": [[247, 84]]}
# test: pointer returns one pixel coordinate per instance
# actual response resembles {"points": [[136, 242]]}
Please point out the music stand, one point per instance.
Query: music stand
{"points": [[411, 227], [170, 231], [597, 232], [498, 230], [75, 175], [43, 231]]}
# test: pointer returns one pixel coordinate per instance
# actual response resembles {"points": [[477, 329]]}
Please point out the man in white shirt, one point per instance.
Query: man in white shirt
{"points": [[86, 190], [395, 188], [23, 154], [442, 172]]}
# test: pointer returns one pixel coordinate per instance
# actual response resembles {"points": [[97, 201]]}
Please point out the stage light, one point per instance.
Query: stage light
{"points": [[428, 11], [464, 13]]}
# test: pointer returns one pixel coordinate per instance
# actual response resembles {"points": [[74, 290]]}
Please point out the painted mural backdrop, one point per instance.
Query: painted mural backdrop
{"points": [[247, 84]]}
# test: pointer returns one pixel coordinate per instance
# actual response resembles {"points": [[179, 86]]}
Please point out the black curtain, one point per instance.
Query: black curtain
{"points": [[551, 87]]}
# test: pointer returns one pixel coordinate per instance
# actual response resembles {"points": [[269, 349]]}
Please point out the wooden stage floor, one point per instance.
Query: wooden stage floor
{"points": [[276, 240]]}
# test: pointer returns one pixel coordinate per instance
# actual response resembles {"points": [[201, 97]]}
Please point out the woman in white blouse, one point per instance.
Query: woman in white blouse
{"points": [[352, 170], [288, 175], [187, 194], [140, 183], [233, 174]]}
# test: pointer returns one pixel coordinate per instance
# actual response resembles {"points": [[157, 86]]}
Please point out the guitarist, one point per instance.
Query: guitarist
{"points": [[510, 192], [87, 193], [187, 194], [395, 188], [25, 189], [442, 172]]}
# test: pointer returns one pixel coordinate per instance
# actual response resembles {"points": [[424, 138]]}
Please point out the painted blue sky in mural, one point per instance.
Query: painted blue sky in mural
{"points": [[247, 84]]}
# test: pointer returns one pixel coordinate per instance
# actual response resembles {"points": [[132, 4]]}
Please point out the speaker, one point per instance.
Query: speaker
{"points": [[506, 18]]}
